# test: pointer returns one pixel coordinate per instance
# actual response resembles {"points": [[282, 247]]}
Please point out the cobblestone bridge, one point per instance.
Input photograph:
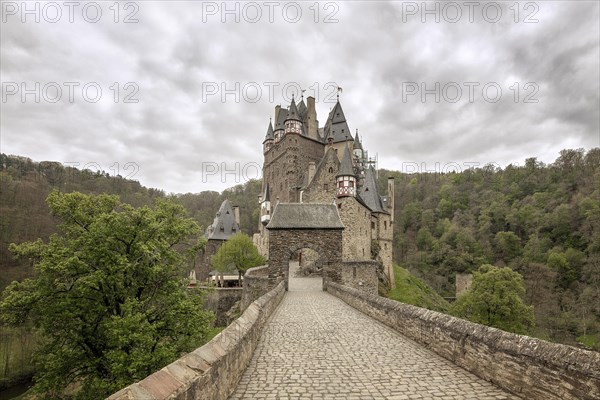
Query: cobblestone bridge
{"points": [[315, 346]]}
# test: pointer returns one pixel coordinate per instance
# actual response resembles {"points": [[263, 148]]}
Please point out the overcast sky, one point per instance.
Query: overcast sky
{"points": [[187, 91]]}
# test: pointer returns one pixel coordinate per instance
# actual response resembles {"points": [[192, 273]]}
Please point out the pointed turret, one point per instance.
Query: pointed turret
{"points": [[346, 178], [336, 127], [293, 123], [357, 145], [269, 138], [265, 206]]}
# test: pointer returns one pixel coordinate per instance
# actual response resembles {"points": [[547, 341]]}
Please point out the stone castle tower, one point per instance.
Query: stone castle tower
{"points": [[307, 164]]}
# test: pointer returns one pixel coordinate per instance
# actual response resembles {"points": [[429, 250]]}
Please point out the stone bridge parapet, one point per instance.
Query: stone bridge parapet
{"points": [[213, 370], [528, 367]]}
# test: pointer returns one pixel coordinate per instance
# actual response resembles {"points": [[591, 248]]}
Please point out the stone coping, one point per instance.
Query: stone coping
{"points": [[213, 370], [528, 367]]}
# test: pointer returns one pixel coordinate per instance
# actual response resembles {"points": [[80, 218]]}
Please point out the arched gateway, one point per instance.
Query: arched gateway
{"points": [[295, 226]]}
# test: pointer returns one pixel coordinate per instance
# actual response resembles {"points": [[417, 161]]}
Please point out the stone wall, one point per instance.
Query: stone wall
{"points": [[283, 243], [322, 188], [360, 275], [357, 235], [463, 283], [220, 300], [531, 368], [256, 284], [286, 164], [203, 266], [213, 370]]}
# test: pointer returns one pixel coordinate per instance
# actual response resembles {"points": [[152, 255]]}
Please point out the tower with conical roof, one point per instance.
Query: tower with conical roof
{"points": [[269, 138], [346, 178], [292, 122]]}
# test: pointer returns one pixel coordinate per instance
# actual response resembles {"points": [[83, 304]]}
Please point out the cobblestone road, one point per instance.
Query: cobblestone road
{"points": [[317, 347]]}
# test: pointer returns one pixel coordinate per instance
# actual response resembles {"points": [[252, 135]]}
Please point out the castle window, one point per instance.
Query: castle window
{"points": [[385, 225], [339, 206], [372, 225], [331, 170]]}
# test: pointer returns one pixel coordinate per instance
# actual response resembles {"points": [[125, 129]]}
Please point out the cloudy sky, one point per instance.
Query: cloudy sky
{"points": [[179, 95]]}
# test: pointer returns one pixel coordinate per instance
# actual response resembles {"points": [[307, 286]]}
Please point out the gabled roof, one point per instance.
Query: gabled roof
{"points": [[224, 225], [336, 125], [368, 192], [346, 168], [305, 216], [329, 154], [269, 135]]}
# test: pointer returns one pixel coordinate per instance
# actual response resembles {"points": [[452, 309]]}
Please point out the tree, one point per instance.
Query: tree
{"points": [[238, 253], [496, 299], [108, 296]]}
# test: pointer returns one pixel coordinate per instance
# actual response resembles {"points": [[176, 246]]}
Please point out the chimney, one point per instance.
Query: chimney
{"points": [[313, 124], [312, 168], [390, 195], [277, 109], [236, 213]]}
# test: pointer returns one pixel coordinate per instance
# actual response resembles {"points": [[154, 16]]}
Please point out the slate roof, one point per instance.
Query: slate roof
{"points": [[266, 194], [302, 109], [368, 192], [224, 225], [346, 168], [269, 135], [293, 112], [305, 216], [336, 125], [279, 124], [357, 145]]}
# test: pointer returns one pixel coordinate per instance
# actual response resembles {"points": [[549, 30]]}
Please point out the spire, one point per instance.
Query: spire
{"points": [[266, 196], [357, 145], [269, 135], [346, 168], [293, 111]]}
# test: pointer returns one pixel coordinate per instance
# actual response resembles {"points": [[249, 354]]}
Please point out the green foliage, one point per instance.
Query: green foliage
{"points": [[108, 298], [540, 220], [411, 290], [496, 299], [237, 254]]}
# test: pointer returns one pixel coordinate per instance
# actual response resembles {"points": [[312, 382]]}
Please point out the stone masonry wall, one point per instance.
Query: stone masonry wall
{"points": [[357, 235], [360, 275], [284, 243], [286, 163], [220, 300], [531, 368], [213, 370], [256, 284]]}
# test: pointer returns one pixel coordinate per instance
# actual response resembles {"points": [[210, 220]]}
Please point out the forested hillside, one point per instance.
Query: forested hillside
{"points": [[25, 216], [542, 221]]}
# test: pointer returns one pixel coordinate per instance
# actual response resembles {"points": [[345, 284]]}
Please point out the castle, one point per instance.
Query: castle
{"points": [[305, 163]]}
